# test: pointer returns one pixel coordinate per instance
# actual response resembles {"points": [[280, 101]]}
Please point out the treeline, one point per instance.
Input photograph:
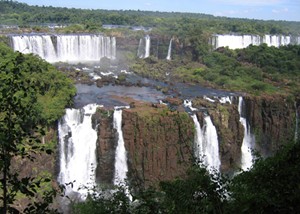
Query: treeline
{"points": [[15, 13]]}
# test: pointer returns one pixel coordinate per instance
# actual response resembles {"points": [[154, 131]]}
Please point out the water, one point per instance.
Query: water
{"points": [[77, 146], [198, 145], [169, 50], [66, 48], [243, 41], [206, 146], [121, 167], [147, 46], [247, 158], [111, 96], [211, 144], [144, 47]]}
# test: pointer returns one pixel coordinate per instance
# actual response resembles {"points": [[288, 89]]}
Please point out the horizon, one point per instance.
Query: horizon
{"points": [[277, 10]]}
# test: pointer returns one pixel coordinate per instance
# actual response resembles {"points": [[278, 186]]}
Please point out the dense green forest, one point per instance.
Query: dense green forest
{"points": [[175, 23]]}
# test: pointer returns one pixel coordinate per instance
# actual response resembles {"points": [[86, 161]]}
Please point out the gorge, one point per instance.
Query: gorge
{"points": [[159, 137]]}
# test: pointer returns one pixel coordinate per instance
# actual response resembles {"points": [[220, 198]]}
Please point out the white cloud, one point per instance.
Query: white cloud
{"points": [[284, 10], [251, 2]]}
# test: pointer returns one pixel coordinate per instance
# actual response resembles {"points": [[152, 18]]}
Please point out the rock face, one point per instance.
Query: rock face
{"points": [[106, 143], [158, 143], [273, 121]]}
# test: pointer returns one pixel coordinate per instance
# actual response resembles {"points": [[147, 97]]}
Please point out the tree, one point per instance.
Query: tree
{"points": [[271, 186], [28, 88]]}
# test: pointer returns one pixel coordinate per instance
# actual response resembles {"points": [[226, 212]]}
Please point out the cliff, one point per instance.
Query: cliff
{"points": [[273, 121], [158, 142]]}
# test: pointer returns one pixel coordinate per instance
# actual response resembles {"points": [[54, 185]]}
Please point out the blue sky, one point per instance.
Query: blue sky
{"points": [[253, 9]]}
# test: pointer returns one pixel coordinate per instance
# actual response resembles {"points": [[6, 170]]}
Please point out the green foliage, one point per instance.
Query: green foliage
{"points": [[199, 193], [32, 93], [106, 201], [271, 186]]}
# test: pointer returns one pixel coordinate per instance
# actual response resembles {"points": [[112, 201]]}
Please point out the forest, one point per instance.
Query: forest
{"points": [[175, 23]]}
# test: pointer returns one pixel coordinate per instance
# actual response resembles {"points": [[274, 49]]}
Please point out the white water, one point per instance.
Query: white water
{"points": [[188, 104], [66, 48], [198, 145], [121, 167], [169, 50], [147, 46], [77, 147], [247, 158], [243, 41], [225, 100], [144, 47], [206, 143]]}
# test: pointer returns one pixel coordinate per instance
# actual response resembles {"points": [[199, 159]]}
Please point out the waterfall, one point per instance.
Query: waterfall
{"points": [[147, 46], [246, 159], [66, 48], [39, 45], [206, 143], [198, 145], [121, 166], [144, 47], [169, 50], [77, 147], [243, 41]]}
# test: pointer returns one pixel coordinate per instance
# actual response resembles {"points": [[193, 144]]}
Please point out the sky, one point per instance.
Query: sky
{"points": [[253, 9]]}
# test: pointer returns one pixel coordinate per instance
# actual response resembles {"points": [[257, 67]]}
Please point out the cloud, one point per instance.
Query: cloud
{"points": [[284, 10], [251, 2], [239, 13]]}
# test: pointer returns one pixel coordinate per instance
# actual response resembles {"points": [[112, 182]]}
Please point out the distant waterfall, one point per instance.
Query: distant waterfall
{"points": [[169, 50], [66, 48], [77, 147], [206, 143], [144, 47], [147, 46], [242, 41], [246, 159]]}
